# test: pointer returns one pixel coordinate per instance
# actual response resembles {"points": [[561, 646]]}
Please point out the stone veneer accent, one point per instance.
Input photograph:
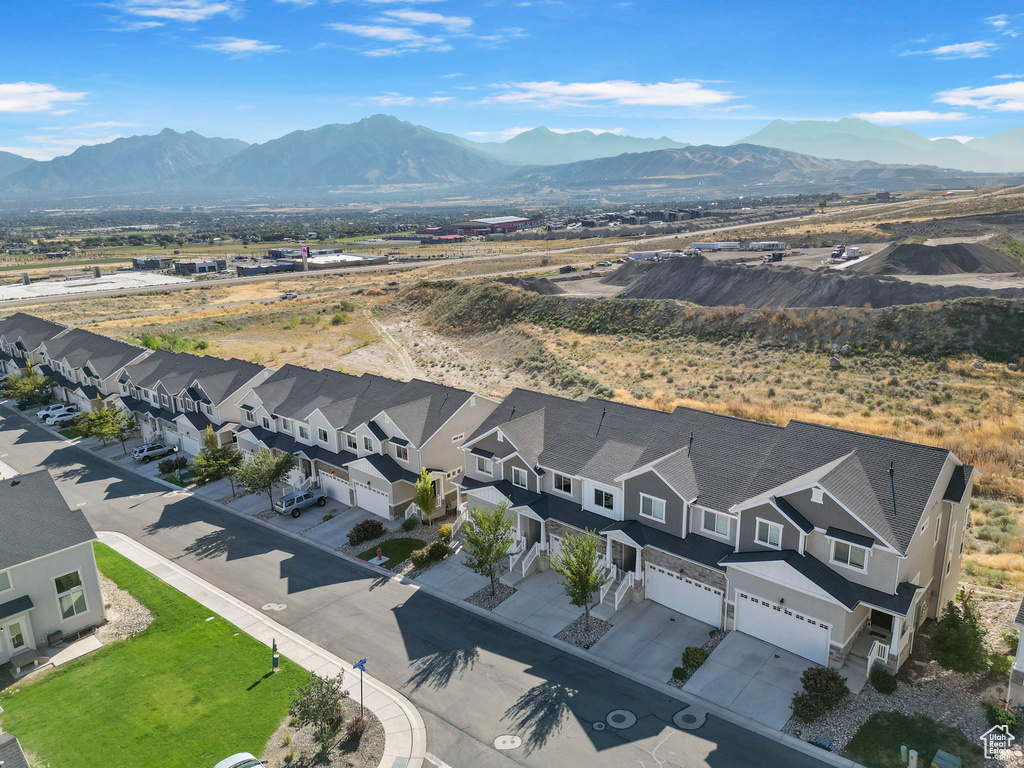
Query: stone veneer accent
{"points": [[689, 569]]}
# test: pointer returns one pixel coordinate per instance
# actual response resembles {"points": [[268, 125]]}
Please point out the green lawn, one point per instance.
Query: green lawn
{"points": [[70, 432], [395, 550], [877, 743], [186, 478], [185, 692]]}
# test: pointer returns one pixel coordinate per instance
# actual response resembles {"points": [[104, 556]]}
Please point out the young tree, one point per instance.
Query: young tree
{"points": [[958, 640], [107, 425], [578, 561], [262, 471], [489, 537], [216, 462], [126, 427], [27, 384], [317, 702], [426, 496]]}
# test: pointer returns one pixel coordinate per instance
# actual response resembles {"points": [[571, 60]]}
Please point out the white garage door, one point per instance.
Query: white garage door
{"points": [[335, 488], [372, 500], [190, 445], [675, 591], [776, 624]]}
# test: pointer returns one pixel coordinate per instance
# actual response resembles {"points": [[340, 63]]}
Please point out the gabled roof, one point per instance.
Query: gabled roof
{"points": [[11, 754], [216, 377], [36, 521], [31, 331], [106, 355], [959, 482]]}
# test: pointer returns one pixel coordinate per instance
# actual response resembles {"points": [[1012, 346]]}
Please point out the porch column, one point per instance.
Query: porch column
{"points": [[638, 570], [608, 551], [519, 527], [543, 536], [894, 641]]}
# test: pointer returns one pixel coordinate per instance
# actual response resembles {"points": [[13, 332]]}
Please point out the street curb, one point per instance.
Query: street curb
{"points": [[395, 755], [728, 715]]}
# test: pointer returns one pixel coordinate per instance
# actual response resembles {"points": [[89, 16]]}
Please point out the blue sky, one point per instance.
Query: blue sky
{"points": [[84, 72]]}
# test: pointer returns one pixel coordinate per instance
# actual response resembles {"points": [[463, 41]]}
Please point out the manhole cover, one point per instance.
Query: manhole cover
{"points": [[508, 741], [273, 606], [689, 720], [599, 726], [621, 718]]}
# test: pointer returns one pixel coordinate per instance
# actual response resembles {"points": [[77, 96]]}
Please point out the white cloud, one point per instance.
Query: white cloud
{"points": [[961, 139], [1009, 77], [678, 93], [1002, 24], [977, 49], [451, 75], [135, 26], [188, 11], [453, 24], [240, 46], [404, 39], [391, 99], [1005, 97], [48, 147], [34, 97], [440, 99], [909, 116]]}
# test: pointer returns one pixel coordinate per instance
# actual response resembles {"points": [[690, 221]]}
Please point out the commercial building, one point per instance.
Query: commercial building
{"points": [[477, 227], [200, 267], [146, 263]]}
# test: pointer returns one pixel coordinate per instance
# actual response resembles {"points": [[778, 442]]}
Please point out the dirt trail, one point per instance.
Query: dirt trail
{"points": [[407, 366]]}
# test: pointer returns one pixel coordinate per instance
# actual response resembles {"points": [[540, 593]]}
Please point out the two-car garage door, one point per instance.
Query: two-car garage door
{"points": [[372, 500], [776, 624], [675, 591]]}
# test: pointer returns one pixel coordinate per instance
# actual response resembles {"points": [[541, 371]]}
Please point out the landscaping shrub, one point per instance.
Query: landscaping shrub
{"points": [[826, 684], [681, 674], [958, 642], [173, 464], [998, 716], [365, 530], [410, 522], [1000, 664], [808, 708], [694, 656], [1012, 639], [355, 728], [883, 681], [444, 533], [433, 552]]}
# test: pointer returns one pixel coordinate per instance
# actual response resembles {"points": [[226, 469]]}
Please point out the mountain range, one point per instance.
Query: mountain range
{"points": [[854, 139], [383, 153]]}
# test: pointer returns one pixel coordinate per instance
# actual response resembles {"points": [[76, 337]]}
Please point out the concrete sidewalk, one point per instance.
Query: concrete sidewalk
{"points": [[405, 734]]}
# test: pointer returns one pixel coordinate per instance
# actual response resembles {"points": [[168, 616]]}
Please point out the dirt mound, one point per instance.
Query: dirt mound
{"points": [[536, 284], [628, 273], [700, 281], [953, 259]]}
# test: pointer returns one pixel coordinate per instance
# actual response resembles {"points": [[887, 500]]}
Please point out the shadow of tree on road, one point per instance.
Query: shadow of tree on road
{"points": [[438, 669], [539, 713], [212, 544]]}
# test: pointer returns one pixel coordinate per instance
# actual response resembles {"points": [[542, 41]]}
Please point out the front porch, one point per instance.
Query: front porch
{"points": [[884, 641]]}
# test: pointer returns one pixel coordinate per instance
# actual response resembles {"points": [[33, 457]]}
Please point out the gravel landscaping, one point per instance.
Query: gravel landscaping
{"points": [[484, 599], [126, 616], [583, 638], [292, 747], [427, 533], [716, 637]]}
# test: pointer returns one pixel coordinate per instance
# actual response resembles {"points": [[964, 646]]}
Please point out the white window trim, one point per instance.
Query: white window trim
{"points": [[323, 435], [609, 494], [526, 479], [481, 470], [286, 424], [834, 561], [559, 491], [303, 431], [712, 531], [367, 443], [402, 453], [10, 581], [349, 439], [250, 417], [771, 524], [654, 500], [58, 595]]}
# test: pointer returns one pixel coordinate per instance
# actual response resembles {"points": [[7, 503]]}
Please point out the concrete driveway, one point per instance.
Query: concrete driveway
{"points": [[750, 677], [540, 603], [649, 638]]}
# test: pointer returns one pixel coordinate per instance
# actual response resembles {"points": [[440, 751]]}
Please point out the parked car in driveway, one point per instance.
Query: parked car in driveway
{"points": [[146, 452], [293, 503], [31, 402], [68, 410], [241, 760], [51, 410], [62, 418]]}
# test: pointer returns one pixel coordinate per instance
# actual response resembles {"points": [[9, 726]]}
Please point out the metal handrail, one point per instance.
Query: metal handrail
{"points": [[609, 581], [530, 557], [623, 588]]}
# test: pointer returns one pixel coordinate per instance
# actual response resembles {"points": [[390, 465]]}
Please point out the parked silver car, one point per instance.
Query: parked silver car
{"points": [[51, 410], [293, 503], [148, 451], [63, 417]]}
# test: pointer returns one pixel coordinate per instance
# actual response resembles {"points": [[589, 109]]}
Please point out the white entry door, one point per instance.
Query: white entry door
{"points": [[19, 635], [372, 500], [680, 593], [776, 624], [556, 546]]}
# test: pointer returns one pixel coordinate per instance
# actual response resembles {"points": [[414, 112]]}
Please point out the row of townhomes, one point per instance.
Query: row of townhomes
{"points": [[832, 544]]}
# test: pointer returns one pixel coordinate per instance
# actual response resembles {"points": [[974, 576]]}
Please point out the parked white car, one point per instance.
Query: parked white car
{"points": [[64, 414], [50, 410], [241, 760]]}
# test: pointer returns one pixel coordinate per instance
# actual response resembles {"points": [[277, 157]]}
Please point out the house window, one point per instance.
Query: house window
{"points": [[603, 499], [266, 423], [207, 409], [402, 453], [652, 508], [769, 534], [5, 581], [849, 554], [715, 523], [561, 483], [303, 432], [286, 425], [250, 417], [165, 401], [367, 443], [484, 465], [351, 442], [321, 434], [519, 477], [70, 595]]}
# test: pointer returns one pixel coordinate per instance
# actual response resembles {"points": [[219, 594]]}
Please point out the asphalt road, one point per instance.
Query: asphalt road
{"points": [[471, 680]]}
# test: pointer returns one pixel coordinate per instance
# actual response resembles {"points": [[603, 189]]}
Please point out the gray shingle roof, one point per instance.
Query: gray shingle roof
{"points": [[218, 378], [31, 331], [11, 754], [852, 538], [16, 606], [959, 482], [36, 521], [79, 347]]}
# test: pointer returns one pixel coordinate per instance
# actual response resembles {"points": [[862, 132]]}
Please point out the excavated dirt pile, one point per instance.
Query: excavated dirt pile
{"points": [[539, 285], [953, 259], [701, 281]]}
